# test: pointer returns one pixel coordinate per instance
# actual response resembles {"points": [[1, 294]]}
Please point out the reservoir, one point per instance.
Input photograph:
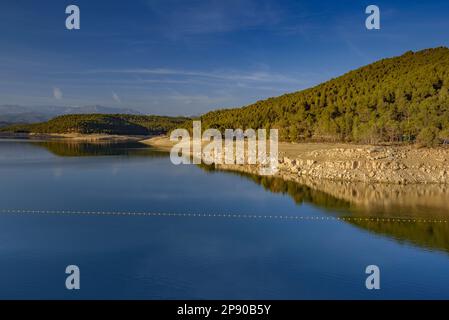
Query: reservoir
{"points": [[139, 227]]}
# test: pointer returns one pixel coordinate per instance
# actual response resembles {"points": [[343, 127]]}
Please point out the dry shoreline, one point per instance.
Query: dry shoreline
{"points": [[318, 161], [75, 137], [348, 162]]}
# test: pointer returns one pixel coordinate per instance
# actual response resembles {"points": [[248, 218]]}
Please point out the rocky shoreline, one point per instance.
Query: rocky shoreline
{"points": [[397, 165], [373, 165], [352, 163]]}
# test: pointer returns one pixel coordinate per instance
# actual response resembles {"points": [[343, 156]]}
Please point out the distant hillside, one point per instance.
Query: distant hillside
{"points": [[101, 123], [398, 99], [32, 114]]}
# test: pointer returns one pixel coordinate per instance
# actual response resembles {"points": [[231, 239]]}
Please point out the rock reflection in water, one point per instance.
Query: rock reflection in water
{"points": [[420, 207]]}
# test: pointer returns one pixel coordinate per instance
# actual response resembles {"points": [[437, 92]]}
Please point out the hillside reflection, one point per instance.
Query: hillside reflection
{"points": [[89, 149], [344, 199]]}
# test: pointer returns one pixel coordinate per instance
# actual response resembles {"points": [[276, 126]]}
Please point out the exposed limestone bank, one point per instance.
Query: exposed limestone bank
{"points": [[346, 162], [396, 165]]}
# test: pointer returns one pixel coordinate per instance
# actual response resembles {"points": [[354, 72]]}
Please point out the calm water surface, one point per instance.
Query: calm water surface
{"points": [[164, 257]]}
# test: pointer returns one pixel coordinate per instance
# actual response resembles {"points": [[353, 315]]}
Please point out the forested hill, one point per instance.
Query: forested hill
{"points": [[404, 98], [102, 123]]}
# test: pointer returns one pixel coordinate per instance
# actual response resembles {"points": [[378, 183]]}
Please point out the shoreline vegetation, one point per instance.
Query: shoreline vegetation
{"points": [[100, 124], [95, 127]]}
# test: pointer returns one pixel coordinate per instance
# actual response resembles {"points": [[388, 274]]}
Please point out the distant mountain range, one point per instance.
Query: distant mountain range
{"points": [[10, 114]]}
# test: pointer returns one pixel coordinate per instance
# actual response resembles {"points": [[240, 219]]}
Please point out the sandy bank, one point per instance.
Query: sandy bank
{"points": [[162, 142]]}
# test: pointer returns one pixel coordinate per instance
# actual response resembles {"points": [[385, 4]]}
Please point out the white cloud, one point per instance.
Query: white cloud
{"points": [[116, 97], [255, 76], [57, 93]]}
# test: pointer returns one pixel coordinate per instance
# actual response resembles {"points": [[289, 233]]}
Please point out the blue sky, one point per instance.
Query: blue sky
{"points": [[188, 57]]}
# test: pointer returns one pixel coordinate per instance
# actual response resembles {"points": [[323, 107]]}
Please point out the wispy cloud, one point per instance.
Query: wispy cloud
{"points": [[57, 93], [255, 76], [116, 97]]}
